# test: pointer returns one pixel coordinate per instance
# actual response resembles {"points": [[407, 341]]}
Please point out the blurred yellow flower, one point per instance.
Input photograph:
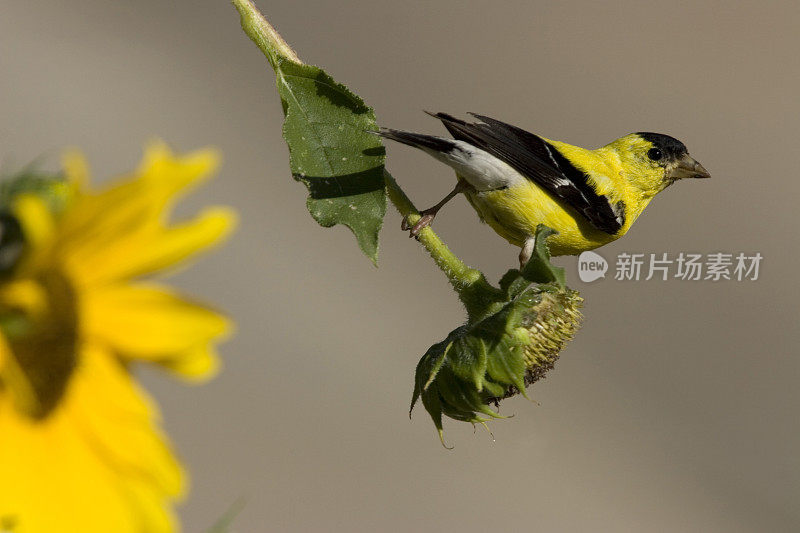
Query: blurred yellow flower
{"points": [[80, 446]]}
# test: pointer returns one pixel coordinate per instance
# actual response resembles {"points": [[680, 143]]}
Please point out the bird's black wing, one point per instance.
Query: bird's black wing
{"points": [[540, 162]]}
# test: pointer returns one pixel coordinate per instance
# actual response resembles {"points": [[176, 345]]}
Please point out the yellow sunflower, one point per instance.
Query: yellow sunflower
{"points": [[80, 445]]}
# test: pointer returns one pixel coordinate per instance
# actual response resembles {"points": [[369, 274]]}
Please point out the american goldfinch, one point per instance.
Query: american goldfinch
{"points": [[517, 180]]}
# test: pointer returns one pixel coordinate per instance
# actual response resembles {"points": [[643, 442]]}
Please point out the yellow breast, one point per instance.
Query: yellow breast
{"points": [[514, 213]]}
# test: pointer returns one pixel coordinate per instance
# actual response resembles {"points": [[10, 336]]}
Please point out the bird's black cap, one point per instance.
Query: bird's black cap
{"points": [[670, 146]]}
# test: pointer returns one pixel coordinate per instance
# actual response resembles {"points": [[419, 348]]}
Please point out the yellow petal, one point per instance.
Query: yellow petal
{"points": [[99, 218], [151, 251], [161, 168], [200, 364], [97, 464], [17, 388], [136, 203], [39, 230], [152, 324], [4, 354], [126, 415], [24, 295], [76, 168]]}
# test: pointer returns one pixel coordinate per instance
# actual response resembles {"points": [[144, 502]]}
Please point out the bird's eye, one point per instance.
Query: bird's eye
{"points": [[654, 154]]}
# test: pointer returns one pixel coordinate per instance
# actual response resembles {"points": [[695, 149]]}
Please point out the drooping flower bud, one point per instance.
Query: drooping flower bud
{"points": [[500, 354]]}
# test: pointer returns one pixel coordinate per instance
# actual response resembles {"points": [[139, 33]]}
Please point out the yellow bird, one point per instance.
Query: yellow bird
{"points": [[517, 180]]}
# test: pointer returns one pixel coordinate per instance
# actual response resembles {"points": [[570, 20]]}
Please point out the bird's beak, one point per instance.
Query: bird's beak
{"points": [[687, 167]]}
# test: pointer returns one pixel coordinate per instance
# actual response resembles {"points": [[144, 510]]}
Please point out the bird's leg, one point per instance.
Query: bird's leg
{"points": [[430, 213], [526, 252]]}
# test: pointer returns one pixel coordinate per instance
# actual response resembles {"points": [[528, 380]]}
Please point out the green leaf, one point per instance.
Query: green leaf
{"points": [[326, 126], [224, 523], [332, 153]]}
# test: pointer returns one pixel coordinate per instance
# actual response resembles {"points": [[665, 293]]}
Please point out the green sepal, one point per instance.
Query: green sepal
{"points": [[538, 269], [468, 359], [52, 188], [463, 372]]}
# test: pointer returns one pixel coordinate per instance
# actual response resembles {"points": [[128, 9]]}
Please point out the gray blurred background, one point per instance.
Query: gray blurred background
{"points": [[675, 408]]}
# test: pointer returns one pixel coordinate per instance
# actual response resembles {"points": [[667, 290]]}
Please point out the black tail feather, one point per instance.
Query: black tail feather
{"points": [[417, 140], [450, 122], [446, 117]]}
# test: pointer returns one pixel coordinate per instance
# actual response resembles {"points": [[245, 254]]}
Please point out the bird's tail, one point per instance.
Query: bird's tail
{"points": [[417, 140]]}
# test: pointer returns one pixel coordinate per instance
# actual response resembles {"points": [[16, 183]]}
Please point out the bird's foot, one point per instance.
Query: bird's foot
{"points": [[425, 220], [427, 215]]}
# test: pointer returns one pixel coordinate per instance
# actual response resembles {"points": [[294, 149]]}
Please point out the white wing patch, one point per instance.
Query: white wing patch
{"points": [[479, 168]]}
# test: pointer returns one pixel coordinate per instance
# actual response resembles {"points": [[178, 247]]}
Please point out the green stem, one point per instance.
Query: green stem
{"points": [[261, 32], [459, 274], [477, 295]]}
